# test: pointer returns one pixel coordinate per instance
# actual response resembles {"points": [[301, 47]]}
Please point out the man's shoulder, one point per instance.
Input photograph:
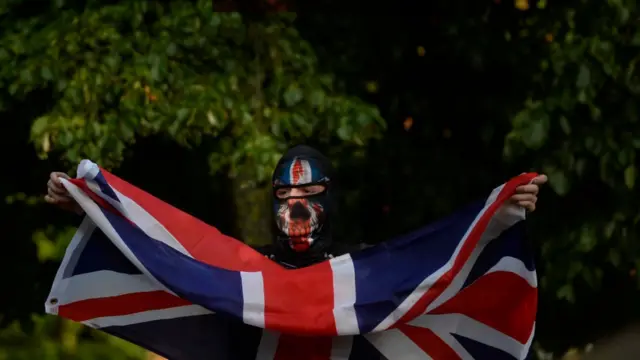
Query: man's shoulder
{"points": [[336, 248]]}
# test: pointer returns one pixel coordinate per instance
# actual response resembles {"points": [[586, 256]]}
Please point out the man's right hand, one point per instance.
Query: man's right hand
{"points": [[58, 195]]}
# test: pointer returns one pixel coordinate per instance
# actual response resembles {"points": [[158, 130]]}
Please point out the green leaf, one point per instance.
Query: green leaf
{"points": [[40, 125], [317, 98], [614, 257], [564, 124], [635, 41], [630, 176], [536, 134], [566, 293], [558, 181], [293, 95], [181, 115], [584, 77], [46, 73], [609, 229], [588, 239], [172, 49], [344, 132]]}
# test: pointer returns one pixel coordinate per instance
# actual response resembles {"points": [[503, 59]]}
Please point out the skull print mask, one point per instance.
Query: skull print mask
{"points": [[301, 219]]}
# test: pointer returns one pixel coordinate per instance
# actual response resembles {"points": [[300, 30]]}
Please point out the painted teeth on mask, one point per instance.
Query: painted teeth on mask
{"points": [[300, 231]]}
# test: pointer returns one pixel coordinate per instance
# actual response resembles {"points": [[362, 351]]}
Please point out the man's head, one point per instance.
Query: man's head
{"points": [[301, 197]]}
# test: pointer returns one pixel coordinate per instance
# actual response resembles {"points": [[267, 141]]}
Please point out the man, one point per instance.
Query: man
{"points": [[303, 203]]}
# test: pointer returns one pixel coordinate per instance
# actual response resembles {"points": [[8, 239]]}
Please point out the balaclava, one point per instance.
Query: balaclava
{"points": [[302, 223]]}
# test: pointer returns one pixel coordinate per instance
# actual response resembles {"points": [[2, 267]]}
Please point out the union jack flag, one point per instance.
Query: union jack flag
{"points": [[462, 288]]}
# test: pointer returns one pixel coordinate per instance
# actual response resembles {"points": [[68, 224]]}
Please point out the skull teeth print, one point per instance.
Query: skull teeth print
{"points": [[298, 229]]}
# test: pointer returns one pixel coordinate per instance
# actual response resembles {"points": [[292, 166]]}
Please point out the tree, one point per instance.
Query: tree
{"points": [[232, 89]]}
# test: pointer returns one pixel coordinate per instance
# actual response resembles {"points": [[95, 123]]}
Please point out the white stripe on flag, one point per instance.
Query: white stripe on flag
{"points": [[393, 344], [129, 208], [104, 283], [341, 347], [253, 298], [148, 224], [268, 345], [146, 316], [470, 328], [95, 213], [344, 289], [426, 284], [527, 346], [503, 219], [88, 171], [455, 345], [516, 266], [59, 287]]}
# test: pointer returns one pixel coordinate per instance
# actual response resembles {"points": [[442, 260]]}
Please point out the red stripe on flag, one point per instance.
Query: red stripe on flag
{"points": [[310, 313], [429, 342], [467, 248], [202, 241], [120, 305], [291, 347], [501, 300], [82, 184]]}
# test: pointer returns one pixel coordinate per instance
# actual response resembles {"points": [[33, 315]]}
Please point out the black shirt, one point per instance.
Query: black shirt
{"points": [[290, 259]]}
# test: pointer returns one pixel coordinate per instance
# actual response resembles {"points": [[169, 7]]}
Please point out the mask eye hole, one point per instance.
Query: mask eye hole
{"points": [[309, 190], [282, 193]]}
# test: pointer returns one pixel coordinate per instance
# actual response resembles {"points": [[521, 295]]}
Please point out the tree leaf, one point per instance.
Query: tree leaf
{"points": [[584, 77], [558, 181], [630, 176], [292, 96]]}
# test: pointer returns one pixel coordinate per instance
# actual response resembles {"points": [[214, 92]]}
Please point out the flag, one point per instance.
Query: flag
{"points": [[462, 288]]}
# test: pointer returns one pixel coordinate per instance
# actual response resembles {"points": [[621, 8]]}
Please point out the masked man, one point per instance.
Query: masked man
{"points": [[303, 205]]}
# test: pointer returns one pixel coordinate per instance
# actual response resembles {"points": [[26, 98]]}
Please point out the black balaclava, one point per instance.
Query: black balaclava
{"points": [[302, 224]]}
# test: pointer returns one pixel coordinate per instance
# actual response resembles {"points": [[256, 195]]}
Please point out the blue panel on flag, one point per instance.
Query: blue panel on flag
{"points": [[422, 253], [510, 243], [482, 351], [202, 337], [104, 186], [211, 287], [99, 253]]}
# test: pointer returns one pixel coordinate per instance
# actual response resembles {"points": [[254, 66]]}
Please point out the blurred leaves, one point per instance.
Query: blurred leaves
{"points": [[117, 72], [139, 68], [53, 338], [579, 123], [52, 242]]}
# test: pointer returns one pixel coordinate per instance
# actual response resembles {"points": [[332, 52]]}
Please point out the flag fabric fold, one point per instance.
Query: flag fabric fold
{"points": [[462, 288]]}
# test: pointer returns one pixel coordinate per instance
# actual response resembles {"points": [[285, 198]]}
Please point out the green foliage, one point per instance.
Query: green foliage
{"points": [[52, 242], [116, 72], [581, 121], [237, 88], [53, 338]]}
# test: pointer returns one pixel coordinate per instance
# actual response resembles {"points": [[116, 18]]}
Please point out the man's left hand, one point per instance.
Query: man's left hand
{"points": [[527, 195]]}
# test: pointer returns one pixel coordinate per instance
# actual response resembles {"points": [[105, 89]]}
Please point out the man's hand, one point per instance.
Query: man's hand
{"points": [[58, 195], [527, 195]]}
